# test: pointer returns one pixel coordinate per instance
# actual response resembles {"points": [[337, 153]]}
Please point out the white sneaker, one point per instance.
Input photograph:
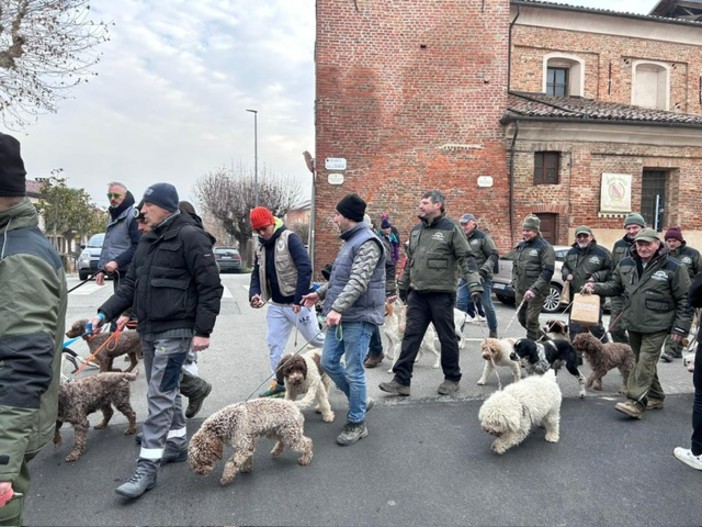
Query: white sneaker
{"points": [[686, 456]]}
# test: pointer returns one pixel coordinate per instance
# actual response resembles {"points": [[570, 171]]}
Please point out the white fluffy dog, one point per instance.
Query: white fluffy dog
{"points": [[394, 330], [496, 352], [510, 414], [303, 375]]}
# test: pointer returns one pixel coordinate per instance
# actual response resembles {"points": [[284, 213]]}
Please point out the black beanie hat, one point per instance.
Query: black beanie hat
{"points": [[164, 195], [12, 172], [352, 207]]}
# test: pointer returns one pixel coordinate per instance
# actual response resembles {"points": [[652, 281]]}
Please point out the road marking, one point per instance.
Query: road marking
{"points": [[87, 289]]}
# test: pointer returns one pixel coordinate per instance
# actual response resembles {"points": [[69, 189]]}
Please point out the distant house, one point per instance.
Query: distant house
{"points": [[299, 213]]}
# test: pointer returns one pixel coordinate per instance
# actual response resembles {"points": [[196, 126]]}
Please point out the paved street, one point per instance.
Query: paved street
{"points": [[425, 462]]}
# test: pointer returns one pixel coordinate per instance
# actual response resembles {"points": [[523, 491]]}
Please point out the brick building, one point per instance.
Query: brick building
{"points": [[509, 107]]}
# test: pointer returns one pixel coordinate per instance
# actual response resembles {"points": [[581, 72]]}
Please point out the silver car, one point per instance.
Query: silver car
{"points": [[502, 281], [89, 256]]}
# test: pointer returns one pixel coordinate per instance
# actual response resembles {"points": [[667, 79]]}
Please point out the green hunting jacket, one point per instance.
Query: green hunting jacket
{"points": [[533, 266], [594, 262], [32, 320], [655, 297], [436, 250]]}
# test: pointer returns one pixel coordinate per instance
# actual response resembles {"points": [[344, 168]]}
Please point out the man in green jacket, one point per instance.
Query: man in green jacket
{"points": [[32, 319], [532, 271], [654, 286], [437, 247]]}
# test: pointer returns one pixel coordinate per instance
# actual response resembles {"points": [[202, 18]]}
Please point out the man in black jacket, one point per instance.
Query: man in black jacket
{"points": [[174, 289]]}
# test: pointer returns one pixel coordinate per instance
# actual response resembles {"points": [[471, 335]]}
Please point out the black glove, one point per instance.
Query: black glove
{"points": [[477, 298], [403, 295], [483, 273]]}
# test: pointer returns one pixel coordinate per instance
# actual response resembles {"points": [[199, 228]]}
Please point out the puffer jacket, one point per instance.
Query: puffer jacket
{"points": [[173, 282], [622, 248], [655, 297], [121, 236], [689, 257], [485, 251], [533, 266], [436, 249], [32, 320], [594, 262]]}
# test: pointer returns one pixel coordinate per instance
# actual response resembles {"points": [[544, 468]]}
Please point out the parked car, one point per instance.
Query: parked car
{"points": [[504, 292], [228, 259], [89, 256]]}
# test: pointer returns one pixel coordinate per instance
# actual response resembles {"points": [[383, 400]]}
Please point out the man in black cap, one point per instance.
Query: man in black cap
{"points": [[354, 304], [174, 287], [32, 319]]}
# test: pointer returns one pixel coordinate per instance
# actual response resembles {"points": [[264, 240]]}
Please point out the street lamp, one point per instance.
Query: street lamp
{"points": [[255, 114]]}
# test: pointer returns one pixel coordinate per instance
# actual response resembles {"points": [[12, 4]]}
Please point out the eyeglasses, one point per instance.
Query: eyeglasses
{"points": [[115, 195]]}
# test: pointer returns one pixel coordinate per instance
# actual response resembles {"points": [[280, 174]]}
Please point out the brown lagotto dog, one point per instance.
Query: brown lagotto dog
{"points": [[127, 344], [78, 399], [303, 375], [604, 357], [240, 425]]}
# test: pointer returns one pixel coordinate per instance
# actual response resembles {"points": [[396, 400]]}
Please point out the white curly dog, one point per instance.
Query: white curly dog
{"points": [[510, 414]]}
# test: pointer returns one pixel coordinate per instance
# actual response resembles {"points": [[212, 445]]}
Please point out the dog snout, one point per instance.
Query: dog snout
{"points": [[513, 356]]}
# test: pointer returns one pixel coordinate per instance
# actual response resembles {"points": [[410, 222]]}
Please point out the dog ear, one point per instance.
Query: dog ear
{"points": [[281, 369], [302, 365]]}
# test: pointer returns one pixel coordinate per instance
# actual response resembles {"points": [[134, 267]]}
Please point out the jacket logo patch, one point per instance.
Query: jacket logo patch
{"points": [[533, 252], [686, 260], [438, 236], [594, 260], [660, 276]]}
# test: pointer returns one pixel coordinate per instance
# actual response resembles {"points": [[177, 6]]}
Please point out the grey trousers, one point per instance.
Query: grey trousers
{"points": [[165, 422]]}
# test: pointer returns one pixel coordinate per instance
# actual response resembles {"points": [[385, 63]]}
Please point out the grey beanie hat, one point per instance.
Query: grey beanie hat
{"points": [[164, 195], [532, 223], [635, 219]]}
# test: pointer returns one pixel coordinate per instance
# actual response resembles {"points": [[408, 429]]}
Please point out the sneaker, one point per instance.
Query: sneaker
{"points": [[138, 484], [195, 401], [370, 403], [448, 387], [654, 404], [174, 455], [631, 408], [275, 390], [394, 388], [352, 433], [373, 361], [686, 456]]}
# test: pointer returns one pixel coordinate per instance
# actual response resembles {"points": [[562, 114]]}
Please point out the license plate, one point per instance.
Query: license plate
{"points": [[499, 286]]}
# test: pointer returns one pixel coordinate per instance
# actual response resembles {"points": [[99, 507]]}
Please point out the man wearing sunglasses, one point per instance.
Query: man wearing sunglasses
{"points": [[121, 236]]}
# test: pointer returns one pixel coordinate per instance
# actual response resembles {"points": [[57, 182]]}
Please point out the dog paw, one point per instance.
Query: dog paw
{"points": [[328, 418], [226, 480], [100, 426], [129, 431], [73, 456], [481, 382], [552, 438], [498, 448]]}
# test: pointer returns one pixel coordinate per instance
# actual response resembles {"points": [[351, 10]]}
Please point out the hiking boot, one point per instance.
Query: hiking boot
{"points": [[686, 456], [373, 361], [275, 390], [174, 455], [352, 433], [144, 479], [448, 387], [666, 357], [654, 404], [394, 388], [195, 401], [631, 408], [493, 334]]}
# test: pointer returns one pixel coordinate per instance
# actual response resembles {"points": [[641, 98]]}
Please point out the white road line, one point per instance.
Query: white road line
{"points": [[87, 289]]}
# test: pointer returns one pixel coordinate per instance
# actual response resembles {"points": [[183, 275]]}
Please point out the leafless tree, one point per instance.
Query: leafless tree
{"points": [[228, 195], [46, 48]]}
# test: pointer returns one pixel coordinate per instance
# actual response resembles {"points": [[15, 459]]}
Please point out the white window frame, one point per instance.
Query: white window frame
{"points": [[576, 72]]}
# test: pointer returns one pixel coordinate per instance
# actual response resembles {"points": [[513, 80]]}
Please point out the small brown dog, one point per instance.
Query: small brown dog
{"points": [[303, 375], [604, 357], [127, 344], [78, 399]]}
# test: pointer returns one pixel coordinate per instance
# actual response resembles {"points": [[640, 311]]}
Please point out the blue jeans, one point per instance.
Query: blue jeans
{"points": [[375, 348], [350, 340], [463, 302]]}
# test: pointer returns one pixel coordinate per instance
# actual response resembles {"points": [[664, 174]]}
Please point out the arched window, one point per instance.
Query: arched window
{"points": [[564, 75], [650, 85]]}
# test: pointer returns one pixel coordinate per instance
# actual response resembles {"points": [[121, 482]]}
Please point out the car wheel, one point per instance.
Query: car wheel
{"points": [[505, 299], [83, 275], [552, 303]]}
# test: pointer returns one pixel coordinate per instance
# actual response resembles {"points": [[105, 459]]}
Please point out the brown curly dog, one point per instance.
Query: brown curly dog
{"points": [[127, 344], [240, 425], [604, 357], [78, 399]]}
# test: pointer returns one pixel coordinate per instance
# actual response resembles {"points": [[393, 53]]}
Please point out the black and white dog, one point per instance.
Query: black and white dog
{"points": [[538, 357]]}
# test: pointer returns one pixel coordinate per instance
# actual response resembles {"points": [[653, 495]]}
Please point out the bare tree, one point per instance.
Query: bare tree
{"points": [[46, 48], [228, 195]]}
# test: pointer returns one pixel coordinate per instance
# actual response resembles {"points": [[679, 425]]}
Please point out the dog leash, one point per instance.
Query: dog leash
{"points": [[516, 313], [93, 355]]}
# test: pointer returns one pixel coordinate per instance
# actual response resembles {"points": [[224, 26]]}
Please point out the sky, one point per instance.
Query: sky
{"points": [[173, 86]]}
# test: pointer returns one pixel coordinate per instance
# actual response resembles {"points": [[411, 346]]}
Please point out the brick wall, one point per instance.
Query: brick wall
{"points": [[398, 81]]}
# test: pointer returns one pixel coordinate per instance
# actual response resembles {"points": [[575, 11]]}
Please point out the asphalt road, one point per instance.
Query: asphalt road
{"points": [[426, 460]]}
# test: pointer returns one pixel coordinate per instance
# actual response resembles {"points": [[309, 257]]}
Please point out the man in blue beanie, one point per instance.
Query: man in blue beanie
{"points": [[176, 301]]}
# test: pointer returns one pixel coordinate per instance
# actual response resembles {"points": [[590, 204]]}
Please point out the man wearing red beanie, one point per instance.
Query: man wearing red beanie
{"points": [[690, 258], [282, 273]]}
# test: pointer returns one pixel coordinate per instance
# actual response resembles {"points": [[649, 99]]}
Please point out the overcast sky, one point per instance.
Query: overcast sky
{"points": [[174, 84]]}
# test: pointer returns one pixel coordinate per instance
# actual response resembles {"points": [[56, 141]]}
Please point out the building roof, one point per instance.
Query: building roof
{"points": [[540, 107], [657, 15], [33, 188]]}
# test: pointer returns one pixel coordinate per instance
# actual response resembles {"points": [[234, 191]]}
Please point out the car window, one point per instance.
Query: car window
{"points": [[96, 240], [222, 251]]}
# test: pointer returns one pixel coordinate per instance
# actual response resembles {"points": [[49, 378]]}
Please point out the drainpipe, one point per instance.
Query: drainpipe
{"points": [[511, 183], [509, 50]]}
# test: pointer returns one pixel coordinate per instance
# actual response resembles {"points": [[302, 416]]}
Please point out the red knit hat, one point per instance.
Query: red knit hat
{"points": [[675, 233], [261, 217]]}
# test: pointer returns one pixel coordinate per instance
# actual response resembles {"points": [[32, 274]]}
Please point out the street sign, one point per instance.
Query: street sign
{"points": [[485, 181], [335, 178], [335, 163]]}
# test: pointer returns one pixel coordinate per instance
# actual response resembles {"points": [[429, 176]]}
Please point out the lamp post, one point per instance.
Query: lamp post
{"points": [[255, 114]]}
